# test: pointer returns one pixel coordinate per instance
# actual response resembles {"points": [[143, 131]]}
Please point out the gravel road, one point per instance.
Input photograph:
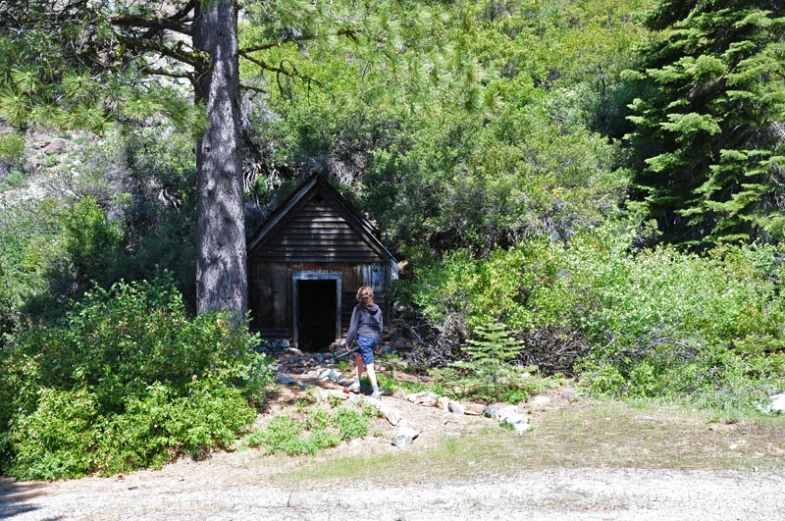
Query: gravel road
{"points": [[554, 494]]}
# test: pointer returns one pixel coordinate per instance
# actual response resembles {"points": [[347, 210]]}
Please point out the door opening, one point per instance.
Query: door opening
{"points": [[316, 313]]}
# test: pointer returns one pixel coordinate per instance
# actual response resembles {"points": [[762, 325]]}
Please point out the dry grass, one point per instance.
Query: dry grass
{"points": [[589, 434]]}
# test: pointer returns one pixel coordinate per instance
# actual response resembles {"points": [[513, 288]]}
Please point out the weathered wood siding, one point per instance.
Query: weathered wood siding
{"points": [[316, 233], [271, 291]]}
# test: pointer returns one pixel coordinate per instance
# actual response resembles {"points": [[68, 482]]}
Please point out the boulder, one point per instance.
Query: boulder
{"points": [[286, 380], [426, 398], [518, 421], [405, 435], [399, 394], [777, 404], [57, 146], [505, 412], [443, 403], [455, 407], [490, 411], [473, 410]]}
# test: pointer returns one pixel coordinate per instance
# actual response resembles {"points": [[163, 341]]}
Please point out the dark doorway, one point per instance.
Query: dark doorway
{"points": [[316, 314]]}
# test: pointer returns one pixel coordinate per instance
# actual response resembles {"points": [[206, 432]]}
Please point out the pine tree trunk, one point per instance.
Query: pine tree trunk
{"points": [[221, 280]]}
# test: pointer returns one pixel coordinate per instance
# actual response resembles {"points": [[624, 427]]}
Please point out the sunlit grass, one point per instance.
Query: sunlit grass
{"points": [[592, 434]]}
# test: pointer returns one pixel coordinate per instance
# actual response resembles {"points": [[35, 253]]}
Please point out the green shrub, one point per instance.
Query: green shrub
{"points": [[649, 323], [126, 380], [288, 435], [350, 423], [12, 148]]}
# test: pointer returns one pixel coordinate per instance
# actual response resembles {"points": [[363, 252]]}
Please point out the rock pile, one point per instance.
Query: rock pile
{"points": [[295, 367]]}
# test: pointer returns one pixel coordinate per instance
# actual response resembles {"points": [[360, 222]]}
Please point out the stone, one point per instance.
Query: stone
{"points": [[405, 435], [490, 411], [473, 410], [443, 403], [399, 394], [505, 412], [391, 414], [519, 423], [426, 398], [57, 146], [312, 374], [346, 382], [777, 404], [286, 380], [455, 407]]}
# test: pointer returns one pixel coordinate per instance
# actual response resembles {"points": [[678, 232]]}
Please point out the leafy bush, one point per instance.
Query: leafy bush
{"points": [[126, 380], [652, 323], [315, 430], [12, 148], [350, 423]]}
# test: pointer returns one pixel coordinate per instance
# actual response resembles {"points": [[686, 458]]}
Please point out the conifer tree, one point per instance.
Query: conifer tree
{"points": [[708, 141], [87, 64], [489, 355]]}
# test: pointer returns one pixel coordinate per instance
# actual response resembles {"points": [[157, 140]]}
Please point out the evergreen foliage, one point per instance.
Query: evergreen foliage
{"points": [[707, 140], [487, 369]]}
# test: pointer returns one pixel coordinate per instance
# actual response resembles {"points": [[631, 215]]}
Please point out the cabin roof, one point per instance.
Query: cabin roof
{"points": [[310, 188]]}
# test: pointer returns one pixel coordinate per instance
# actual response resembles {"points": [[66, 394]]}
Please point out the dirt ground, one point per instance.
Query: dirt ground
{"points": [[242, 485]]}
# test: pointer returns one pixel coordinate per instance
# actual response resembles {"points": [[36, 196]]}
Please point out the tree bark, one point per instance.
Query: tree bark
{"points": [[221, 271]]}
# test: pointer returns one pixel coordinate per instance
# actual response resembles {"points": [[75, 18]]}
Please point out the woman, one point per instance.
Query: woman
{"points": [[367, 325]]}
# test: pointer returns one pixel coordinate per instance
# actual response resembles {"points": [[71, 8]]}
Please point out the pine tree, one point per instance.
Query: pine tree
{"points": [[78, 64], [708, 139], [489, 356]]}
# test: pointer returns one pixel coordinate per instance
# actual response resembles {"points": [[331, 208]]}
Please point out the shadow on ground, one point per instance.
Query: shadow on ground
{"points": [[15, 498]]}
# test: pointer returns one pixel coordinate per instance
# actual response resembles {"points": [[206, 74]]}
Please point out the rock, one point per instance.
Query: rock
{"points": [[346, 382], [312, 374], [405, 435], [283, 343], [505, 412], [490, 411], [286, 380], [519, 423], [473, 410], [391, 414], [777, 405], [443, 403], [57, 146], [426, 398], [455, 407], [399, 394]]}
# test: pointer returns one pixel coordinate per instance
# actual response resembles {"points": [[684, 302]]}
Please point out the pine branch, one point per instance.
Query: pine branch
{"points": [[194, 59], [293, 73], [349, 33], [154, 71], [156, 25], [253, 89]]}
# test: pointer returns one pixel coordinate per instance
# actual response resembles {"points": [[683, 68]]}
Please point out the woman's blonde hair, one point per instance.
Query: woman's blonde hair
{"points": [[365, 296]]}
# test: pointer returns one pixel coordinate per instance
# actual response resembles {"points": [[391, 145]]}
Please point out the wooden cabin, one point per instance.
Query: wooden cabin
{"points": [[306, 263]]}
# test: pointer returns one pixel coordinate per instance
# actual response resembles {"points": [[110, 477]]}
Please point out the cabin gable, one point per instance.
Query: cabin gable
{"points": [[306, 263]]}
